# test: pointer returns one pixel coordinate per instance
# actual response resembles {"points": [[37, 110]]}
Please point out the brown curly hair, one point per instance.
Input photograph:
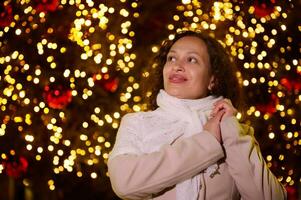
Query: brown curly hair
{"points": [[222, 68]]}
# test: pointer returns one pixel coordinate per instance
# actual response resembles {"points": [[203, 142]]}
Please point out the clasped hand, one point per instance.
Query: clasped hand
{"points": [[222, 109]]}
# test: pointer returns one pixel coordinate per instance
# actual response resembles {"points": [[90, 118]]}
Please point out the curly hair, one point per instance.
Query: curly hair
{"points": [[222, 68]]}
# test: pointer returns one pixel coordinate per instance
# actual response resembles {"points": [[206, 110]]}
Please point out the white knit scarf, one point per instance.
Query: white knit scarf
{"points": [[195, 113]]}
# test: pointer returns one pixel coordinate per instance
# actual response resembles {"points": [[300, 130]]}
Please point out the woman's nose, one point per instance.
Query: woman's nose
{"points": [[178, 66]]}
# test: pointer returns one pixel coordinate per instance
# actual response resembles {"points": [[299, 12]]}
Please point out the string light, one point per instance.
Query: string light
{"points": [[97, 52]]}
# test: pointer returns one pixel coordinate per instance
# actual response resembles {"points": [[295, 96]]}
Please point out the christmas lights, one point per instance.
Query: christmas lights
{"points": [[70, 69]]}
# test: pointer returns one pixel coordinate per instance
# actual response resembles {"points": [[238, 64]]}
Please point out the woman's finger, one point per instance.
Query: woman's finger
{"points": [[218, 117], [218, 107]]}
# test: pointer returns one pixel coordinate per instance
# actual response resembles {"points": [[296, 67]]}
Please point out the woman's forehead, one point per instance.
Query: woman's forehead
{"points": [[189, 44]]}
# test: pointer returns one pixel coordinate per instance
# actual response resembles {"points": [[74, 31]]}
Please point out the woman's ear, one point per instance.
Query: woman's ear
{"points": [[211, 83]]}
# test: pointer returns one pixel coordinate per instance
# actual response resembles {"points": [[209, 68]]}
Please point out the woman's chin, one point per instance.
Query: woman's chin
{"points": [[177, 94], [183, 94]]}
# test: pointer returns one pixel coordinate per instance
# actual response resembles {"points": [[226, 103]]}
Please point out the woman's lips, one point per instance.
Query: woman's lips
{"points": [[177, 78]]}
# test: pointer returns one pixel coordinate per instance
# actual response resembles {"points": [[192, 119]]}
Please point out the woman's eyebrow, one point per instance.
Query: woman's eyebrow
{"points": [[195, 53], [190, 52], [171, 51]]}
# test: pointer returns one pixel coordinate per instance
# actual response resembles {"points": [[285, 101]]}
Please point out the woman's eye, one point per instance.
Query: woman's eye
{"points": [[171, 58], [192, 60]]}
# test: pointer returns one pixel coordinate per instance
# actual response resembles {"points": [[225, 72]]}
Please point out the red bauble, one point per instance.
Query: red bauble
{"points": [[6, 15], [291, 84], [57, 96], [270, 107], [15, 167], [46, 5], [264, 8], [292, 193], [111, 85], [107, 82]]}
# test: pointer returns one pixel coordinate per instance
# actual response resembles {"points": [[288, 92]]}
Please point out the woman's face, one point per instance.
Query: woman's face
{"points": [[186, 73]]}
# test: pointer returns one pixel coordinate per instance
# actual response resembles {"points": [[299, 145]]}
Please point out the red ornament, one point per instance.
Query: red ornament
{"points": [[15, 167], [292, 193], [264, 8], [57, 96], [111, 85], [269, 107], [291, 84], [6, 15], [107, 82], [46, 5]]}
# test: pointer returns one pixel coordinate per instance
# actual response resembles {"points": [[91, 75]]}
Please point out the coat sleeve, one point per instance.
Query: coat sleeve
{"points": [[253, 178], [139, 176]]}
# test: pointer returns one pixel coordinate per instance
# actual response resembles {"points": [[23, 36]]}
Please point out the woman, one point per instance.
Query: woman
{"points": [[191, 146]]}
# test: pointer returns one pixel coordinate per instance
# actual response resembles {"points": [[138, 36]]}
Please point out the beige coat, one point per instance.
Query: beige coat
{"points": [[242, 172]]}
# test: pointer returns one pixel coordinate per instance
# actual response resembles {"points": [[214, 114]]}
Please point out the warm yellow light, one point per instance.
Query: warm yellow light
{"points": [[186, 1], [50, 148], [245, 82], [271, 135], [289, 135], [107, 144], [282, 127], [116, 115], [52, 187], [85, 124], [18, 31], [257, 113], [38, 157], [79, 174], [100, 139], [93, 175]]}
